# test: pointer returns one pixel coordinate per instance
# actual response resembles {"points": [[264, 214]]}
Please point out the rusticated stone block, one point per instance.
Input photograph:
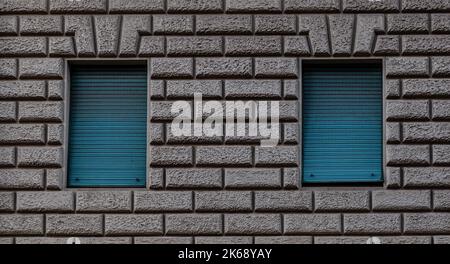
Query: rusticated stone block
{"points": [[23, 46]]}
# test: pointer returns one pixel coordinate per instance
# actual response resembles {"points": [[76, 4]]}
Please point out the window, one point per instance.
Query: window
{"points": [[342, 123], [107, 126]]}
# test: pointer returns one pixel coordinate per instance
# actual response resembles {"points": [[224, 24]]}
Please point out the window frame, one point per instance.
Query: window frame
{"points": [[66, 122], [350, 60]]}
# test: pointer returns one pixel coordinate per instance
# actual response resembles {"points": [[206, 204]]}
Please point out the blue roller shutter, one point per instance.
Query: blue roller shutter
{"points": [[342, 123], [108, 128]]}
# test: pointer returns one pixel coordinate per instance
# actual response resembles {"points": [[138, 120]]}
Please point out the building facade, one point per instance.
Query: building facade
{"points": [[221, 189]]}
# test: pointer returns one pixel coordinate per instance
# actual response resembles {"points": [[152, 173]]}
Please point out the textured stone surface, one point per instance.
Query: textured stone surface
{"points": [[22, 90], [103, 201], [276, 68], [195, 6], [194, 46], [426, 132], [393, 178], [440, 23], [311, 6], [55, 134], [8, 26], [193, 224], [407, 155], [171, 155], [23, 6], [427, 223], [370, 6], [372, 224], [54, 179], [7, 202], [230, 201], [426, 44], [18, 224], [393, 133], [426, 88], [312, 224], [152, 46], [63, 240], [55, 90], [171, 67], [64, 6], [252, 46], [59, 224], [8, 111], [22, 134], [252, 224], [283, 240], [45, 202], [224, 240], [341, 34], [366, 27], [255, 6], [61, 46], [296, 46], [280, 155], [193, 178], [163, 201], [107, 37], [407, 23], [387, 45], [340, 201], [136, 6], [441, 240], [253, 89], [316, 27], [426, 177], [23, 46], [223, 67], [407, 110], [7, 156], [298, 201], [401, 200], [163, 240], [252, 178], [407, 67], [224, 156], [132, 27], [12, 179], [41, 111], [275, 24], [41, 25], [431, 5], [392, 89], [83, 31], [186, 89], [136, 224], [40, 156], [41, 68], [8, 69], [441, 200], [440, 66], [223, 24], [175, 24], [441, 155]]}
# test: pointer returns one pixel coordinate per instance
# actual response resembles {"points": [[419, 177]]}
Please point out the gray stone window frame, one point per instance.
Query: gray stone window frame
{"points": [[67, 74], [347, 60]]}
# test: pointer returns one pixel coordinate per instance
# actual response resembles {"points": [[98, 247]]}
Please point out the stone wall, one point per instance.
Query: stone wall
{"points": [[224, 189]]}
